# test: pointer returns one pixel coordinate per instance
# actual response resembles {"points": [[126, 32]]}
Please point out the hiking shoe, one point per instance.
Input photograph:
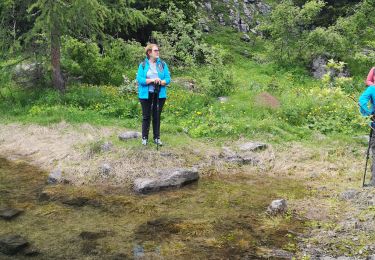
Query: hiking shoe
{"points": [[157, 141], [144, 141]]}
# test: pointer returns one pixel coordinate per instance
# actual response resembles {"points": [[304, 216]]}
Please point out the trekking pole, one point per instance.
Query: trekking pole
{"points": [[367, 157], [157, 89]]}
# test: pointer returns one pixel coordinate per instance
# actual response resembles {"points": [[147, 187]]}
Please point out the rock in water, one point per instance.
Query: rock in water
{"points": [[9, 214], [12, 244], [129, 135], [277, 207], [173, 179]]}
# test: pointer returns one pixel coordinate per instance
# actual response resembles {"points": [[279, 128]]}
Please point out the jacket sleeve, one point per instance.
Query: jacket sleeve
{"points": [[141, 79], [363, 102], [370, 77], [167, 75]]}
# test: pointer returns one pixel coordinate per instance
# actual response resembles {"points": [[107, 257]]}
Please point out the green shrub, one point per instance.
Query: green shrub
{"points": [[220, 82], [84, 60]]}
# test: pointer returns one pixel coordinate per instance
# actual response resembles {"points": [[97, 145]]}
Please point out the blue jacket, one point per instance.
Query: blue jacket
{"points": [[163, 73], [367, 96]]}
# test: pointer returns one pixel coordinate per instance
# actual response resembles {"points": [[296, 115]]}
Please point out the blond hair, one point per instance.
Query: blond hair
{"points": [[149, 47]]}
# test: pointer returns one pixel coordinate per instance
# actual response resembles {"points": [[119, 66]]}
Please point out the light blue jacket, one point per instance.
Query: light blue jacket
{"points": [[367, 96], [163, 73]]}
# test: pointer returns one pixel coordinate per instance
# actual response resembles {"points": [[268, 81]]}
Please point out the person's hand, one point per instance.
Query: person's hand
{"points": [[157, 81]]}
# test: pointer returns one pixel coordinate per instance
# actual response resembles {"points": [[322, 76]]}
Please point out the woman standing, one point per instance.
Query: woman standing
{"points": [[152, 73]]}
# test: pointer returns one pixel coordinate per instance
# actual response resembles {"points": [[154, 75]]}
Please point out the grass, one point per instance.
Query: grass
{"points": [[306, 107]]}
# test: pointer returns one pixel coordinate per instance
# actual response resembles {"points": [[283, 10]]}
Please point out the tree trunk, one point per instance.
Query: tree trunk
{"points": [[57, 78]]}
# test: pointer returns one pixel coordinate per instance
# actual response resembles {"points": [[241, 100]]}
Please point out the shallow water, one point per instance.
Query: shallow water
{"points": [[217, 218]]}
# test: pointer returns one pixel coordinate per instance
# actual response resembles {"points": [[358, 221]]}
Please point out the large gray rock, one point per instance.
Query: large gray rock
{"points": [[276, 207], [252, 146], [9, 214], [170, 179], [28, 74], [129, 135], [12, 244], [319, 69]]}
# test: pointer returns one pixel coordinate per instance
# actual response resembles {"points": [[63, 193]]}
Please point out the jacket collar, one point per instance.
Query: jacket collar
{"points": [[148, 62]]}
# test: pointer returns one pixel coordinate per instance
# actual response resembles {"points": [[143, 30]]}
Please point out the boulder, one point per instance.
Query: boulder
{"points": [[12, 244], [277, 207], [170, 179], [28, 74], [129, 135], [319, 68], [9, 214]]}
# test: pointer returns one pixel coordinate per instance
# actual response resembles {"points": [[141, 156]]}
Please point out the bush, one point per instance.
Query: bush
{"points": [[182, 43], [84, 60], [221, 82]]}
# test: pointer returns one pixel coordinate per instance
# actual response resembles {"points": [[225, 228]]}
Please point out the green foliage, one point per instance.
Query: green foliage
{"points": [[287, 27], [221, 82], [182, 42], [83, 59]]}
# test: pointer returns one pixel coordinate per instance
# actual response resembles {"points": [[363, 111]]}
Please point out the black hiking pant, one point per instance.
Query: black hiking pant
{"points": [[149, 109]]}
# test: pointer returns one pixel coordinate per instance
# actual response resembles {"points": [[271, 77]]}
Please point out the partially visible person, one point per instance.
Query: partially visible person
{"points": [[368, 96], [151, 72], [370, 81]]}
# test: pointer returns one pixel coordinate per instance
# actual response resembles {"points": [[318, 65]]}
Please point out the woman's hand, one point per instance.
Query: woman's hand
{"points": [[157, 81]]}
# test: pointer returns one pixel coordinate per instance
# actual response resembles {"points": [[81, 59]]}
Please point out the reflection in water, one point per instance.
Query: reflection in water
{"points": [[221, 217]]}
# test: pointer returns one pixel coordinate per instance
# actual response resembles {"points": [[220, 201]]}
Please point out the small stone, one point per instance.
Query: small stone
{"points": [[277, 207], [12, 244], [223, 99], [371, 257], [129, 135], [105, 169], [106, 146], [206, 28], [349, 194], [31, 251], [88, 235], [252, 146], [55, 176], [77, 202], [9, 214], [246, 38]]}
